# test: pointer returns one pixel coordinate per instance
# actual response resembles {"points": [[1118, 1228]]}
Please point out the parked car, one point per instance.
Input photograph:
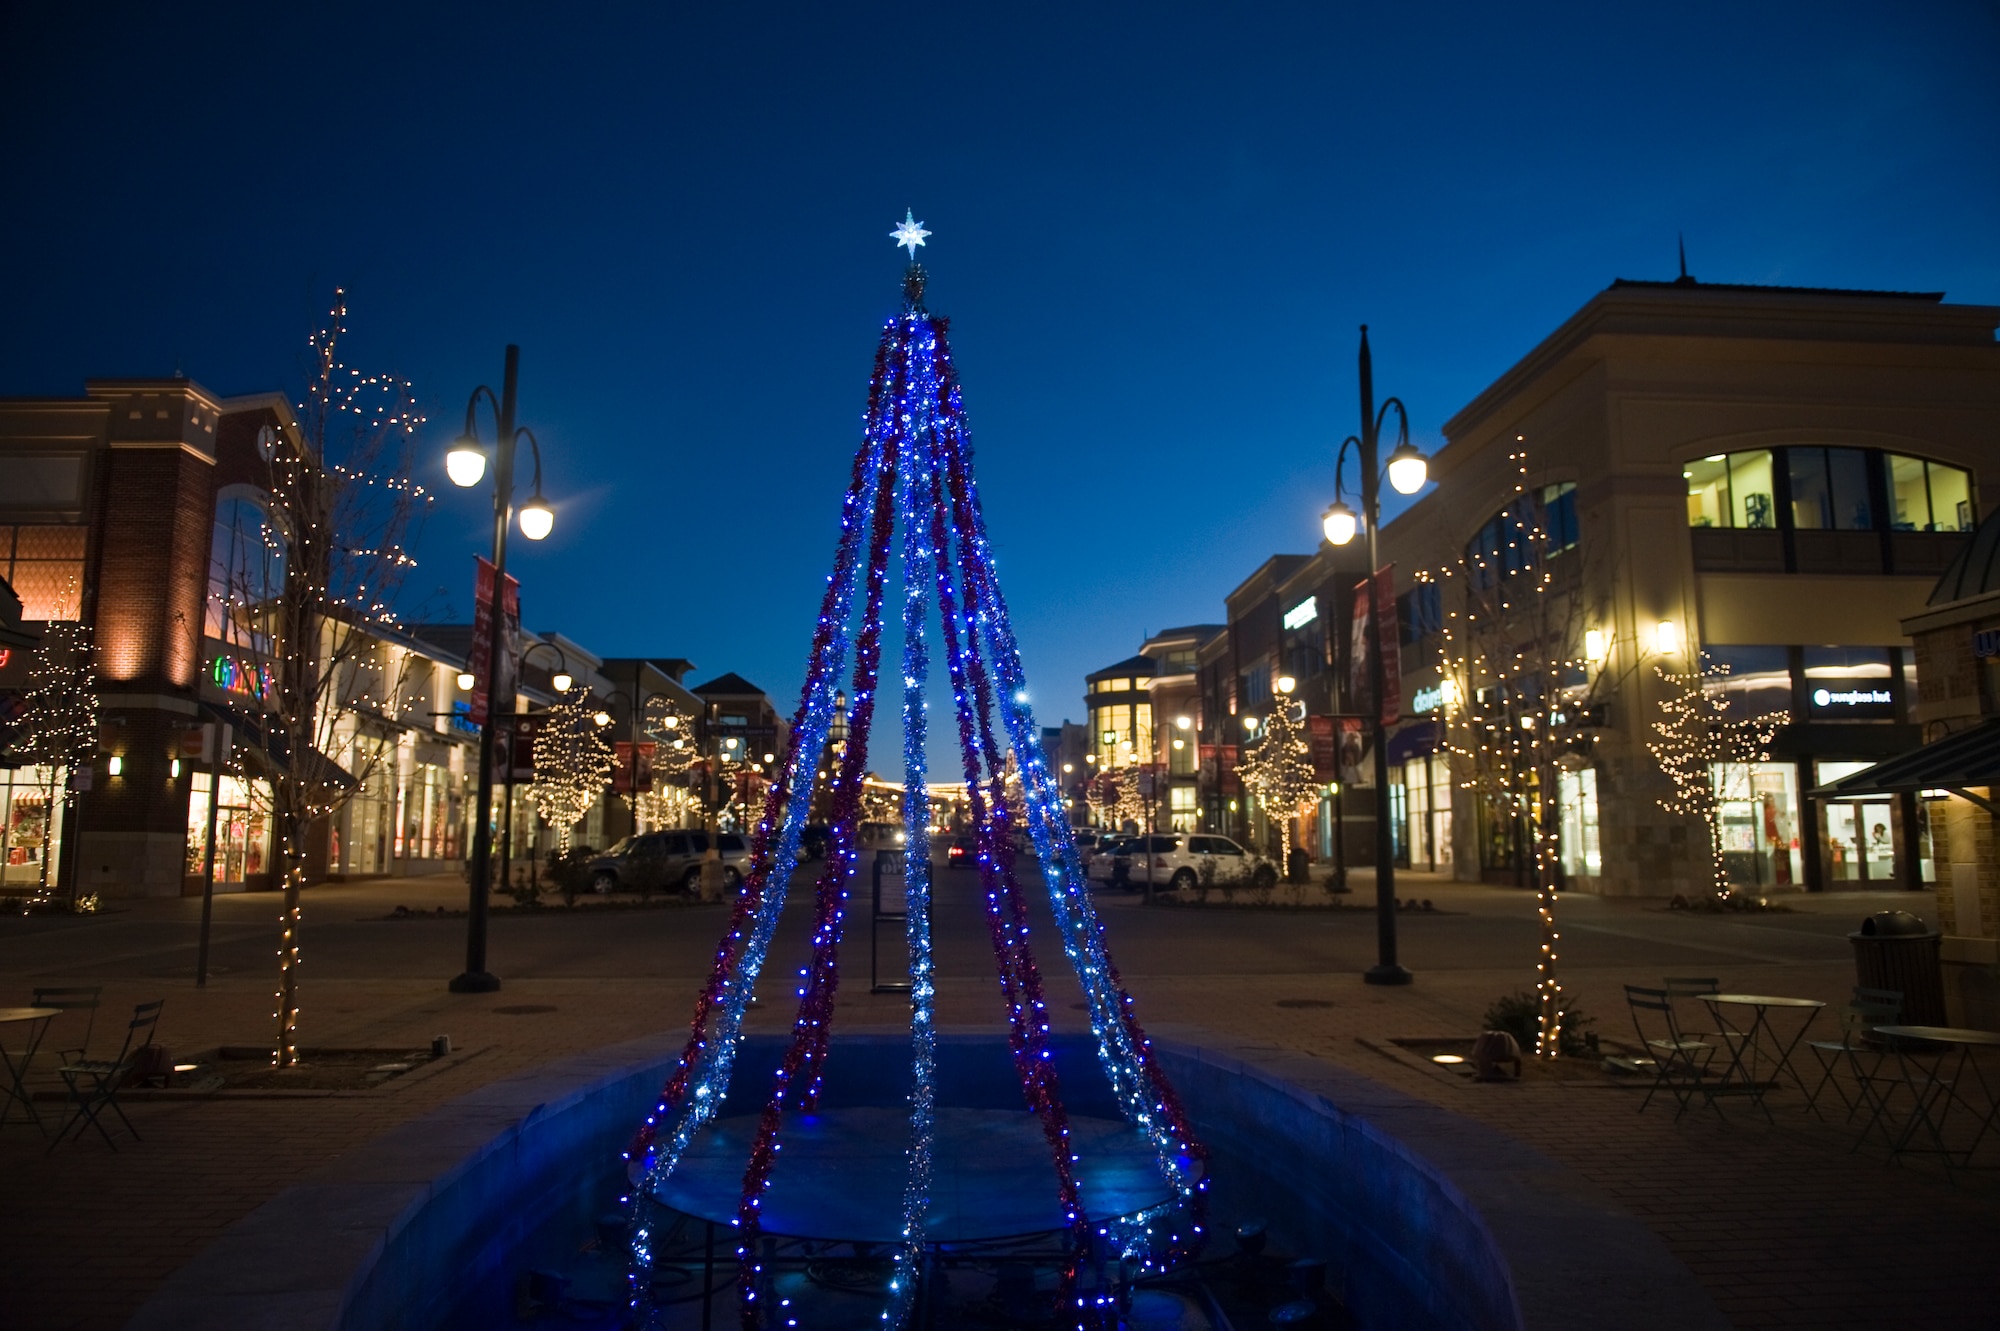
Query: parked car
{"points": [[961, 852], [674, 856], [1183, 860], [1102, 863]]}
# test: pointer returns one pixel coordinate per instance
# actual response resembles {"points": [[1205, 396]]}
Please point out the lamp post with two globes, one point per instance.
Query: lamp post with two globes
{"points": [[1407, 471], [466, 465]]}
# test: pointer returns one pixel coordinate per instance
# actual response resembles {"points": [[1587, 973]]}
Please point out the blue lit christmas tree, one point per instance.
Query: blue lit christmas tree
{"points": [[913, 474]]}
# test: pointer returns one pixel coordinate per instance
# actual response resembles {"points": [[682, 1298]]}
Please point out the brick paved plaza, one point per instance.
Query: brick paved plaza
{"points": [[1781, 1223]]}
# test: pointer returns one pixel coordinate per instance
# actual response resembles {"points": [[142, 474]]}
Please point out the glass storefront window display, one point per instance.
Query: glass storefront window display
{"points": [[1759, 681], [1860, 840], [31, 839], [1427, 820], [242, 829], [1758, 813], [1576, 796]]}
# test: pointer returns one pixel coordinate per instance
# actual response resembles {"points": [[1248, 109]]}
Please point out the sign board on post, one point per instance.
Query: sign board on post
{"points": [[514, 747], [482, 637]]}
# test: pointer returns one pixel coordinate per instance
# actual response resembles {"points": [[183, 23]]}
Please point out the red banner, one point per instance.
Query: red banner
{"points": [[1325, 747], [621, 768], [1359, 686], [482, 639], [1218, 769]]}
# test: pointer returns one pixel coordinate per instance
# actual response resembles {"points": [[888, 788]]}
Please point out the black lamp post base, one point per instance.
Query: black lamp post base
{"points": [[1391, 973], [474, 982]]}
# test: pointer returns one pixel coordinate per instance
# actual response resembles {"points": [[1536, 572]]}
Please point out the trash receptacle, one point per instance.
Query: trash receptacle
{"points": [[1896, 950]]}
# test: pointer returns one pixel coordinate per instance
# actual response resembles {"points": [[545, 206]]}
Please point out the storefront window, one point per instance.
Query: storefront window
{"points": [[1859, 834], [1759, 681], [242, 829], [1182, 816], [32, 839], [1848, 684], [1576, 794], [1759, 815]]}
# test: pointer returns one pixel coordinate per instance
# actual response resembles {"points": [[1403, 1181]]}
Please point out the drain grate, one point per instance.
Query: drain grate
{"points": [[1304, 1002], [525, 1009]]}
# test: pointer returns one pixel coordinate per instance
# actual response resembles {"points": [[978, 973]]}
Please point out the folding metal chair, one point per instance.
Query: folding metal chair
{"points": [[1866, 1010], [73, 998], [1692, 986], [94, 1083], [1677, 1060]]}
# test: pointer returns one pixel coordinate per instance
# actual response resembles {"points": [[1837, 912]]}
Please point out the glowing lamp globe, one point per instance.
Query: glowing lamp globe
{"points": [[1407, 470], [537, 518], [466, 679], [466, 463], [1340, 523], [602, 718], [562, 680]]}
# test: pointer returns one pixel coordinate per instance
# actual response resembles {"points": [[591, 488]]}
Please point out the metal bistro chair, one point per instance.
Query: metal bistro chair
{"points": [[94, 1082], [1678, 1060], [74, 998], [1866, 1010], [1693, 986]]}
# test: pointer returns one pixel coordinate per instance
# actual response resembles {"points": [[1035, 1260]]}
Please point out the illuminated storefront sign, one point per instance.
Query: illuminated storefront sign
{"points": [[1427, 699], [241, 677], [1302, 614], [1986, 643]]}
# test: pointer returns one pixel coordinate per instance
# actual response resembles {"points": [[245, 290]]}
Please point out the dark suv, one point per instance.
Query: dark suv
{"points": [[673, 859]]}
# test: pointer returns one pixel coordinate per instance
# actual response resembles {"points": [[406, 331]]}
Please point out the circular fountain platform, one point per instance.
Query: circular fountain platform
{"points": [[840, 1174]]}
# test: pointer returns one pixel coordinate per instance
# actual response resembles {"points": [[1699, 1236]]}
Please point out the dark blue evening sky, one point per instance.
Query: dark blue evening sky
{"points": [[1156, 229]]}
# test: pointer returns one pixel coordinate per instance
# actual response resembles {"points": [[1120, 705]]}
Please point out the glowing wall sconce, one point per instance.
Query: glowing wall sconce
{"points": [[1595, 646], [1666, 637]]}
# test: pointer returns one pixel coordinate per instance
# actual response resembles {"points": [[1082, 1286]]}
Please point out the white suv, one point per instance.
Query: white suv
{"points": [[1184, 860]]}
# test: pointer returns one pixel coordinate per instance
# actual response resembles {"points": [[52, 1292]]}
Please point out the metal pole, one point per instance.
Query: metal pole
{"points": [[476, 978], [1386, 969], [507, 810], [223, 739]]}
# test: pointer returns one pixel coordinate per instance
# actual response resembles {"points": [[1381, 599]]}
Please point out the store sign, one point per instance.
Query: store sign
{"points": [[245, 679], [1427, 699], [1985, 644], [1853, 704], [1302, 614]]}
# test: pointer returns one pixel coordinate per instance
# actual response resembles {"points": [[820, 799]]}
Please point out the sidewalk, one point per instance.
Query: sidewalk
{"points": [[1781, 1224]]}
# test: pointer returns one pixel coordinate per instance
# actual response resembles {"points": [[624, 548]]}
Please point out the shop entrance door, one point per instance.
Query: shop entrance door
{"points": [[1860, 843]]}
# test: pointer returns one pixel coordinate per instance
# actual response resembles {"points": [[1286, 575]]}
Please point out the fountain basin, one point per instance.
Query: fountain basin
{"points": [[1427, 1219]]}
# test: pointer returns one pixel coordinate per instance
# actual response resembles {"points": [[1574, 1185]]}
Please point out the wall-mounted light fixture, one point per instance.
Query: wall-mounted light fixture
{"points": [[115, 766], [1595, 646], [1666, 637]]}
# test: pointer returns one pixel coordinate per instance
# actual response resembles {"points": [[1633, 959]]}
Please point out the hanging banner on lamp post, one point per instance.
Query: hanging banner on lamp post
{"points": [[482, 638], [1377, 595]]}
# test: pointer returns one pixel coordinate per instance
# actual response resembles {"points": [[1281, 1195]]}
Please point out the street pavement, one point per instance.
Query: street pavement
{"points": [[1781, 1223]]}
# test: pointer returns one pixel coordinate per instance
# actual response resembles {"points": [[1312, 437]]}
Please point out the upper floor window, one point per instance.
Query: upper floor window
{"points": [[1515, 537], [1827, 489], [246, 570], [1420, 613], [44, 566], [1928, 496], [1731, 490]]}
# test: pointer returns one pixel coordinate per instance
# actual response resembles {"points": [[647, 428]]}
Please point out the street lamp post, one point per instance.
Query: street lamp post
{"points": [[1406, 470], [465, 464]]}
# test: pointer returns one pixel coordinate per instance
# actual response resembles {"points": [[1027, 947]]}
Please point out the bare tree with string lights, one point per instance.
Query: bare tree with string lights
{"points": [[1523, 678], [1698, 741], [1278, 770], [304, 590], [572, 764]]}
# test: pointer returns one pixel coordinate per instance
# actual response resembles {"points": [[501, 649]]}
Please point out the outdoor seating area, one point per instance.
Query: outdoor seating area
{"points": [[1900, 1090], [45, 1065]]}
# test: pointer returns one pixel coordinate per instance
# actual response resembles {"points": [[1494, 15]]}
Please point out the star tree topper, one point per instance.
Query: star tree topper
{"points": [[911, 233]]}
